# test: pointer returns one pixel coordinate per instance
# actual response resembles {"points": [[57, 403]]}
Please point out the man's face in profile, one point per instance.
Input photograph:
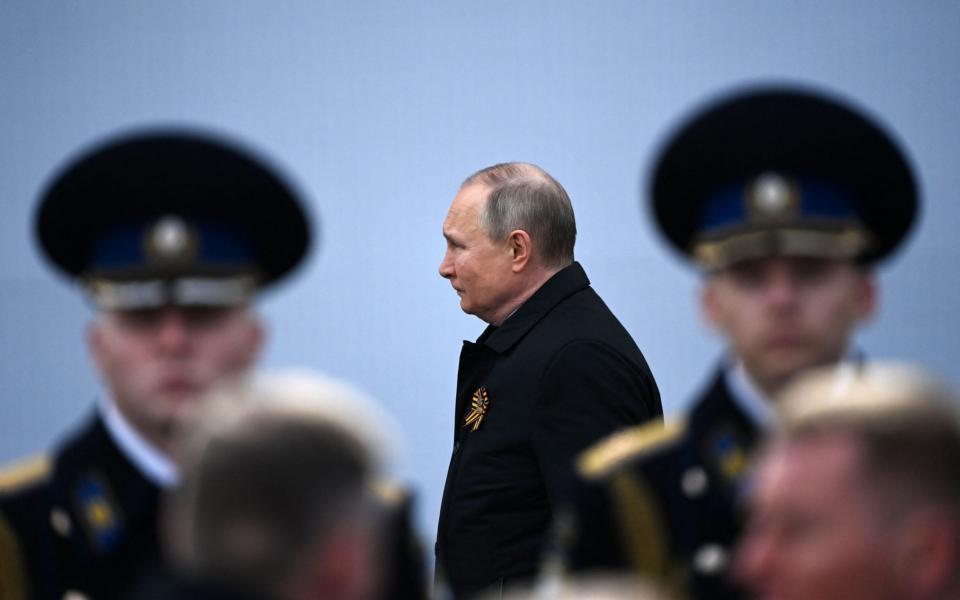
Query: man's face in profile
{"points": [[477, 266]]}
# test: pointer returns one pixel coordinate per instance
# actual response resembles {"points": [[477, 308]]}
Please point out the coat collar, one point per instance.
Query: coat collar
{"points": [[563, 284]]}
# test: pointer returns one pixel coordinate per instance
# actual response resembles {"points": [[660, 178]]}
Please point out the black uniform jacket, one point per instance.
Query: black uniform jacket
{"points": [[85, 522], [665, 503], [556, 376]]}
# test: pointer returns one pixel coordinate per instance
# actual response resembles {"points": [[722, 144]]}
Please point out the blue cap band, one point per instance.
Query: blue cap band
{"points": [[816, 200], [128, 246]]}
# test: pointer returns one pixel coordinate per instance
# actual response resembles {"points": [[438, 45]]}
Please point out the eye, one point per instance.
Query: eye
{"points": [[748, 275], [204, 316], [811, 271], [140, 318]]}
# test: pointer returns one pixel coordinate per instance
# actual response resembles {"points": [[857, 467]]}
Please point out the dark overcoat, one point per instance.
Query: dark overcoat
{"points": [[556, 376]]}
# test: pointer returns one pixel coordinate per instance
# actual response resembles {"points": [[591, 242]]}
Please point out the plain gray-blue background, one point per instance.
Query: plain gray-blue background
{"points": [[378, 109]]}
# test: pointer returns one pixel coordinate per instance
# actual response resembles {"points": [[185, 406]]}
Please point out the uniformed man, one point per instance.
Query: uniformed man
{"points": [[171, 235], [785, 198]]}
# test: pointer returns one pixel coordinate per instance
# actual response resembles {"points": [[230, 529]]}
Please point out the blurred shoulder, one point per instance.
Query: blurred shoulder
{"points": [[629, 446]]}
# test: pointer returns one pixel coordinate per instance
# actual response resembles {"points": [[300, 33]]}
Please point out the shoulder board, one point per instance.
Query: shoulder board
{"points": [[25, 472], [390, 493], [612, 451]]}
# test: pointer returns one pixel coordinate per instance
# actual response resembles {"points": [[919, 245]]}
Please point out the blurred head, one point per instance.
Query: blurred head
{"points": [[858, 495], [785, 198], [592, 587], [277, 497], [157, 361], [171, 234], [509, 228], [784, 315]]}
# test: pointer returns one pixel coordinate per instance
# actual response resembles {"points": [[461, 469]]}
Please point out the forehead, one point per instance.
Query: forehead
{"points": [[787, 263], [219, 315], [466, 206], [808, 470]]}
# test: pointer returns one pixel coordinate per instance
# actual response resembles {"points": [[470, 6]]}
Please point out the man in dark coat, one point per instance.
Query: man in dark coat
{"points": [[554, 372], [785, 198], [170, 234]]}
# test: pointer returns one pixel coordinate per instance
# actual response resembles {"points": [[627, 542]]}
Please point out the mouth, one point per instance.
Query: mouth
{"points": [[179, 385], [786, 342]]}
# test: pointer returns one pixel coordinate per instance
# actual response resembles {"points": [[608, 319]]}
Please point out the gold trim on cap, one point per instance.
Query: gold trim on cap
{"points": [[182, 291], [847, 243]]}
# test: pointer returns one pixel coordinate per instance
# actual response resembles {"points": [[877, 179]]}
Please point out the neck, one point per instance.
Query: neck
{"points": [[149, 453], [533, 281]]}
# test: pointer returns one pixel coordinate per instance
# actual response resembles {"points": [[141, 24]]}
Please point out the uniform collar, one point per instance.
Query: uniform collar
{"points": [[748, 397], [755, 404], [564, 283], [152, 464]]}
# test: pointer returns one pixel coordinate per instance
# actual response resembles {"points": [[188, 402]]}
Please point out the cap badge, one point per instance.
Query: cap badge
{"points": [[771, 196], [479, 405], [170, 240]]}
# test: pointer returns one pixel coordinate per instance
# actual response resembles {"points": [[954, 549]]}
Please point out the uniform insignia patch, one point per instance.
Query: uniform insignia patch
{"points": [[730, 456], [103, 522], [479, 405]]}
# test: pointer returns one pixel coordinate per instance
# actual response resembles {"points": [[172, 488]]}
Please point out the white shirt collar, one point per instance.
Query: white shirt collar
{"points": [[748, 397], [153, 464], [752, 401]]}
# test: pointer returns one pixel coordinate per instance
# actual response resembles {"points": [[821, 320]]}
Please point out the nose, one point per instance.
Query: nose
{"points": [[783, 291], [446, 266], [173, 332]]}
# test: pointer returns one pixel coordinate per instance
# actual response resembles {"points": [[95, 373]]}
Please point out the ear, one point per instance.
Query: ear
{"points": [[255, 339], [868, 296], [930, 552], [711, 311], [96, 343], [521, 249]]}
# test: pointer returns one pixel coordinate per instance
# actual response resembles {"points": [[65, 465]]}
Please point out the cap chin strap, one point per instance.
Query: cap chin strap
{"points": [[184, 291], [844, 244]]}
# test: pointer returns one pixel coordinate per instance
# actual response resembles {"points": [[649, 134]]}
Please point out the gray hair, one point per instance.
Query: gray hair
{"points": [[524, 196], [272, 467]]}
